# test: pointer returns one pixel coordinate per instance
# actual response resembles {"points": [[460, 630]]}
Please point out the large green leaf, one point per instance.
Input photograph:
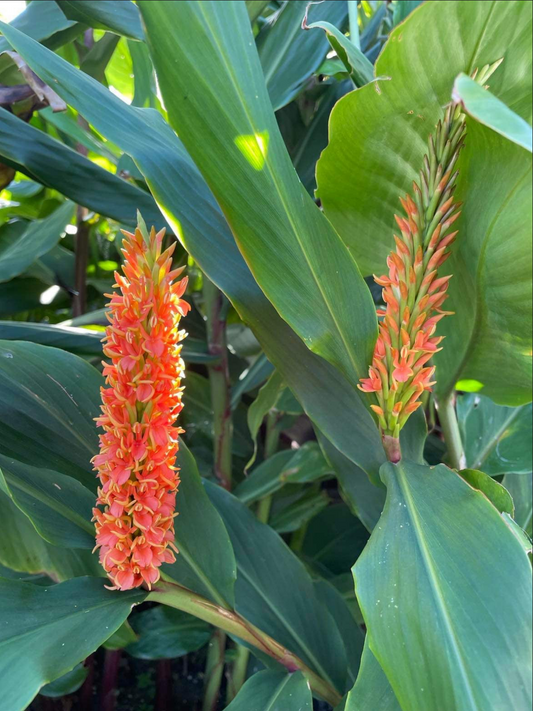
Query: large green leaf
{"points": [[490, 111], [378, 136], [434, 586], [371, 689], [266, 570], [496, 438], [48, 399], [59, 507], [273, 691], [165, 633], [37, 238], [48, 630], [219, 105], [22, 549], [328, 398], [121, 16], [52, 163], [288, 54], [206, 563]]}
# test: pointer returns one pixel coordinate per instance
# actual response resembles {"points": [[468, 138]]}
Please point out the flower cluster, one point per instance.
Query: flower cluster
{"points": [[135, 526], [412, 290]]}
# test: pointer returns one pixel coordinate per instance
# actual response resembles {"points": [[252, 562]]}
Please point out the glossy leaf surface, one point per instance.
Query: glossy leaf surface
{"points": [[429, 590]]}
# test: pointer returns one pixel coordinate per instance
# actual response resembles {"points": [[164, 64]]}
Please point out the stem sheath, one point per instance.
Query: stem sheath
{"points": [[452, 434]]}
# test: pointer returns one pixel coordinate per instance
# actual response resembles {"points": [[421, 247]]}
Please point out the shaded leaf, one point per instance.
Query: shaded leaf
{"points": [[372, 689], [51, 629], [288, 54], [266, 569], [48, 399], [273, 691], [496, 438], [165, 633], [59, 507], [120, 16]]}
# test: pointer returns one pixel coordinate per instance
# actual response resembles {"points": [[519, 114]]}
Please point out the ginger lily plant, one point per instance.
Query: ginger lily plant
{"points": [[333, 491]]}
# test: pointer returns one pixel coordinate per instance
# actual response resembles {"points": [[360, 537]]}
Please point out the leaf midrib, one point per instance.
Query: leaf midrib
{"points": [[434, 584], [274, 182]]}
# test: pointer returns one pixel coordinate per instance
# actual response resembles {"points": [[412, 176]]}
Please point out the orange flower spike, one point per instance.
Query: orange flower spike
{"points": [[406, 327], [134, 518]]}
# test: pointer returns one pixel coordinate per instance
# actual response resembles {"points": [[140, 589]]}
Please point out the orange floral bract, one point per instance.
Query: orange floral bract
{"points": [[135, 524]]}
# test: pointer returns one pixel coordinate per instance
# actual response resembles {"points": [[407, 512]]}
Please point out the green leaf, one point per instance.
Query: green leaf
{"points": [[48, 399], [328, 398], [256, 374], [357, 65], [442, 557], [119, 16], [51, 629], [334, 540], [352, 635], [55, 165], [23, 549], [365, 499], [494, 491], [521, 489], [273, 691], [496, 438], [59, 507], [372, 689], [265, 401], [303, 465], [288, 54], [403, 8], [36, 239], [165, 633], [40, 21], [490, 111], [122, 637], [205, 563], [290, 514], [313, 282], [378, 137], [66, 684], [83, 341], [266, 570]]}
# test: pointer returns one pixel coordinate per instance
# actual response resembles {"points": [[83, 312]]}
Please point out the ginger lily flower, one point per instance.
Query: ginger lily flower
{"points": [[136, 465], [412, 290]]}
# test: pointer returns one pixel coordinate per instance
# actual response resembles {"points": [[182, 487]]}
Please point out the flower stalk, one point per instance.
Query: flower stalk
{"points": [[232, 623], [134, 517]]}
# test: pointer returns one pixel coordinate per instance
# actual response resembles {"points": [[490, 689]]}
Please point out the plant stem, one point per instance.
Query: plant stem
{"points": [[450, 429], [354, 24], [238, 672], [215, 312], [213, 670], [232, 623], [79, 301]]}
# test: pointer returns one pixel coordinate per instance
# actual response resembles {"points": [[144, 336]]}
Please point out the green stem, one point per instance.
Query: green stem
{"points": [[215, 312], [213, 670], [273, 431], [233, 624], [297, 538], [354, 23], [238, 672], [452, 434]]}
